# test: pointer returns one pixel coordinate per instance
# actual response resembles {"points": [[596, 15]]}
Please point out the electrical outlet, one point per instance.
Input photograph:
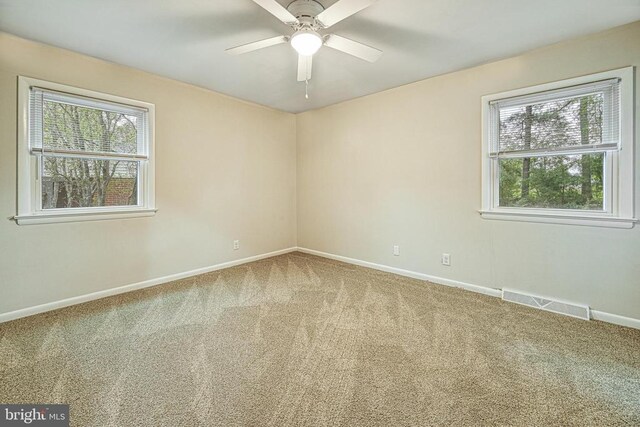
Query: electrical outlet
{"points": [[236, 245], [396, 250], [446, 259]]}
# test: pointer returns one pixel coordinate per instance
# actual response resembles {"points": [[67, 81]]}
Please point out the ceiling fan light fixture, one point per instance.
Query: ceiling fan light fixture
{"points": [[306, 42]]}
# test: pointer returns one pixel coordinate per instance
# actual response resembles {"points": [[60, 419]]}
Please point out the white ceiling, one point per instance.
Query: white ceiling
{"points": [[186, 39]]}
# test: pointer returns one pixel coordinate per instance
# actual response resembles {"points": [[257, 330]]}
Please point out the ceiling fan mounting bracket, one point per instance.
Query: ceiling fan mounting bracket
{"points": [[306, 11]]}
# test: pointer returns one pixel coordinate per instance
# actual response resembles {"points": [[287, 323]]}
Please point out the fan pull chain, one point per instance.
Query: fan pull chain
{"points": [[306, 89]]}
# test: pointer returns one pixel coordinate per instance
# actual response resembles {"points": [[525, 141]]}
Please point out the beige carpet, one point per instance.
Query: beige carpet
{"points": [[299, 340]]}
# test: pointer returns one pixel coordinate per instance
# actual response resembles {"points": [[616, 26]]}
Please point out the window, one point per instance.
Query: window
{"points": [[82, 155], [561, 152]]}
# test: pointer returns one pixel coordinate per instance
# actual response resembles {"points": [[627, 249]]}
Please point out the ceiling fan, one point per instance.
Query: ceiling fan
{"points": [[308, 18]]}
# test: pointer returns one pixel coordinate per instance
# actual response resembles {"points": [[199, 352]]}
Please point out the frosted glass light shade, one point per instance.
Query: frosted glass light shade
{"points": [[306, 43]]}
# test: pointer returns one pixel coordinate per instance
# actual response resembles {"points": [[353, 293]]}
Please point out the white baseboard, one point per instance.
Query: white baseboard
{"points": [[29, 311], [595, 314], [603, 316], [426, 277]]}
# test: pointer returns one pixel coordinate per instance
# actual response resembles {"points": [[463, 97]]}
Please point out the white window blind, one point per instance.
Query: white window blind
{"points": [[559, 127], [56, 115]]}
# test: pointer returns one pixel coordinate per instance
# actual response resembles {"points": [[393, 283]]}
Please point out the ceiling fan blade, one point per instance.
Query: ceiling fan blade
{"points": [[354, 48], [304, 67], [341, 10], [276, 9], [261, 44]]}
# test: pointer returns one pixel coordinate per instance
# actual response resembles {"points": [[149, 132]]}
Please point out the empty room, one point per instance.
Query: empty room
{"points": [[319, 213]]}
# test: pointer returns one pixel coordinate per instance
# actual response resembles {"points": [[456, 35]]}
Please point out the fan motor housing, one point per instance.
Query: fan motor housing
{"points": [[305, 9]]}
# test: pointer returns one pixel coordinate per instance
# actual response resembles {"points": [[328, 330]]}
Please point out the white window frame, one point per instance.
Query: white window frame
{"points": [[29, 185], [619, 178]]}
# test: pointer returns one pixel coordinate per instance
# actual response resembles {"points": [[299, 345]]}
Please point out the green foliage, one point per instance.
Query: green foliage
{"points": [[554, 182]]}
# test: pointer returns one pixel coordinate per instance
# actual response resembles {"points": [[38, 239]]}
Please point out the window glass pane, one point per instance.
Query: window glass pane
{"points": [[80, 183], [551, 124], [77, 128], [556, 182]]}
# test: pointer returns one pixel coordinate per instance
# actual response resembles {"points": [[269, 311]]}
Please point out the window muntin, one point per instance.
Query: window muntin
{"points": [[82, 154], [561, 152]]}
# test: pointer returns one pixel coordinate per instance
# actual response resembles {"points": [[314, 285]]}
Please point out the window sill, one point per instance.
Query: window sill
{"points": [[568, 219], [50, 218]]}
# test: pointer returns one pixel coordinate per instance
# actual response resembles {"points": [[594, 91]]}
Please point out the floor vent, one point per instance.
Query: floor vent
{"points": [[561, 307]]}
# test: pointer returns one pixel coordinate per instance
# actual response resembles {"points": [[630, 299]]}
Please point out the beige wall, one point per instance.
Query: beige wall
{"points": [[225, 170], [403, 167]]}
